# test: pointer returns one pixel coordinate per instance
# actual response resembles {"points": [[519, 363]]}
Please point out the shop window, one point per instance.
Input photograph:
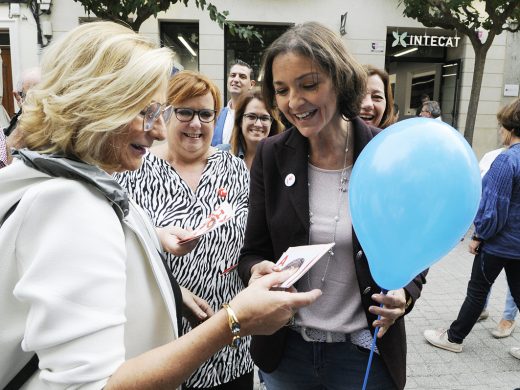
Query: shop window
{"points": [[183, 39], [252, 51], [422, 84]]}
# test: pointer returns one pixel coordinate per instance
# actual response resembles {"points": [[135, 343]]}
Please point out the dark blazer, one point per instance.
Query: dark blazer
{"points": [[279, 218]]}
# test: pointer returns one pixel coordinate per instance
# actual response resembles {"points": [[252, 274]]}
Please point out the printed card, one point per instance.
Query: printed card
{"points": [[303, 258], [217, 218]]}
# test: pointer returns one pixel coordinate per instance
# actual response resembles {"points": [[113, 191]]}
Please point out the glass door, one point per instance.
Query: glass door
{"points": [[449, 93]]}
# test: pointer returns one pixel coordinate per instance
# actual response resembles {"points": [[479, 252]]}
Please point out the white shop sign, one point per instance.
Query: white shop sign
{"points": [[405, 40]]}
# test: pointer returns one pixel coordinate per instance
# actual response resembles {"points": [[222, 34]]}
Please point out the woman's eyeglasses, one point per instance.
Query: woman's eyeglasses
{"points": [[264, 119], [153, 112], [187, 115]]}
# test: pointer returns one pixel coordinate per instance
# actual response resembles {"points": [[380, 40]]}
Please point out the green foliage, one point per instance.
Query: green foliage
{"points": [[468, 17], [463, 15], [135, 12], [244, 32]]}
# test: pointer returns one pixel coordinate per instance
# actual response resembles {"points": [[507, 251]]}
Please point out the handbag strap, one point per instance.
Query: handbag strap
{"points": [[8, 213], [24, 374]]}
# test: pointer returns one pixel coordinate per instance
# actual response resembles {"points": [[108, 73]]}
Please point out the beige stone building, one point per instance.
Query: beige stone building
{"points": [[420, 60]]}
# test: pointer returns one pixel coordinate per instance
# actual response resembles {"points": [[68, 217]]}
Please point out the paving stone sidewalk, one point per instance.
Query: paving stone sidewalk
{"points": [[485, 362]]}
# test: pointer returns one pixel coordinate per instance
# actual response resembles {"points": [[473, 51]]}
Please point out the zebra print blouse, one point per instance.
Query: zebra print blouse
{"points": [[168, 199]]}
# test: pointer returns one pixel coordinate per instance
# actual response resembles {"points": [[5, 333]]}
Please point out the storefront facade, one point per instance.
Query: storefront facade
{"points": [[422, 60]]}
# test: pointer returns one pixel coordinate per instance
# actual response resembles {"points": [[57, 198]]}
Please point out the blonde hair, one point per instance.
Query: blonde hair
{"points": [[95, 80], [188, 84]]}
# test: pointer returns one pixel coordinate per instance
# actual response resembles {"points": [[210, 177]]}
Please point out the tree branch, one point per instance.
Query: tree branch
{"points": [[465, 18], [120, 10]]}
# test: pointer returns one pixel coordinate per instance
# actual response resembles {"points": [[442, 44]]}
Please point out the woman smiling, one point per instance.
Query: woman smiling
{"points": [[254, 121], [179, 184], [377, 107], [299, 196], [86, 301]]}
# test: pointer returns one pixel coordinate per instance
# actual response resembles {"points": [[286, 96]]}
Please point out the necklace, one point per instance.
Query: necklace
{"points": [[342, 188]]}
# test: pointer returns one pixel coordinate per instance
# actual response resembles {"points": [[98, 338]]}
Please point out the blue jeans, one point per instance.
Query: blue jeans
{"points": [[326, 366], [485, 270], [510, 309]]}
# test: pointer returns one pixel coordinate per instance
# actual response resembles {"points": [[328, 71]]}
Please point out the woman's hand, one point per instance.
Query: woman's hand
{"points": [[196, 309], [262, 311], [474, 247], [263, 268], [394, 306], [170, 237]]}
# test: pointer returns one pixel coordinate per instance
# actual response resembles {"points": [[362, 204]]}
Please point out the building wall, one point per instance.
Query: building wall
{"points": [[367, 23], [511, 66], [22, 41], [485, 134]]}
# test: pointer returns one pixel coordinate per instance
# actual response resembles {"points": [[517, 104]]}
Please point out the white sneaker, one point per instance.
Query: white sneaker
{"points": [[503, 329], [515, 352], [439, 338]]}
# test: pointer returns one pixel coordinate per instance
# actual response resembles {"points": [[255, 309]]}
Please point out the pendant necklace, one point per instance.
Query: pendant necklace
{"points": [[342, 189]]}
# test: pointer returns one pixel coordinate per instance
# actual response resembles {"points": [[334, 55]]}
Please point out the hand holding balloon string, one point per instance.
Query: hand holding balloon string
{"points": [[392, 306], [393, 174]]}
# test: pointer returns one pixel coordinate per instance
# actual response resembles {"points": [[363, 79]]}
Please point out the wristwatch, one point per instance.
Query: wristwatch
{"points": [[234, 326]]}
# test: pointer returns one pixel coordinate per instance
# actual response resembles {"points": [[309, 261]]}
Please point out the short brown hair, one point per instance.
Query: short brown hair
{"points": [[188, 84], [324, 48], [509, 117], [237, 137], [245, 64], [389, 115]]}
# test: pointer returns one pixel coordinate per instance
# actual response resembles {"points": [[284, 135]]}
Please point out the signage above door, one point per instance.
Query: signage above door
{"points": [[405, 40]]}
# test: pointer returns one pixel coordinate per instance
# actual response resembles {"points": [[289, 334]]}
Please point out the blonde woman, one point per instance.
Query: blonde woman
{"points": [[84, 289]]}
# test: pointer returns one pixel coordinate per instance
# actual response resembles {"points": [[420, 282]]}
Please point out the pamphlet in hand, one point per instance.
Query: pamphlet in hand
{"points": [[303, 258], [217, 218]]}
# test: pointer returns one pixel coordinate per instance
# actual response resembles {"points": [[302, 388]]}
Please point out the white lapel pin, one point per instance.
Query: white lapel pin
{"points": [[289, 180]]}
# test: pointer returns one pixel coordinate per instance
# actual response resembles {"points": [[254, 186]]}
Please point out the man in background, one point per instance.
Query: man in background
{"points": [[239, 82], [424, 98], [30, 77], [431, 109]]}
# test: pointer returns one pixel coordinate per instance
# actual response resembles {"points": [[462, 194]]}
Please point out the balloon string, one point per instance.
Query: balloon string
{"points": [[372, 346]]}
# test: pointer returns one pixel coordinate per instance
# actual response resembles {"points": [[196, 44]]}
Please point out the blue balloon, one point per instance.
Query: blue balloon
{"points": [[414, 191]]}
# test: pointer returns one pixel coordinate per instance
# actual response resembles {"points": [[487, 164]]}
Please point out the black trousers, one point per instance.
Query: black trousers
{"points": [[485, 270]]}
